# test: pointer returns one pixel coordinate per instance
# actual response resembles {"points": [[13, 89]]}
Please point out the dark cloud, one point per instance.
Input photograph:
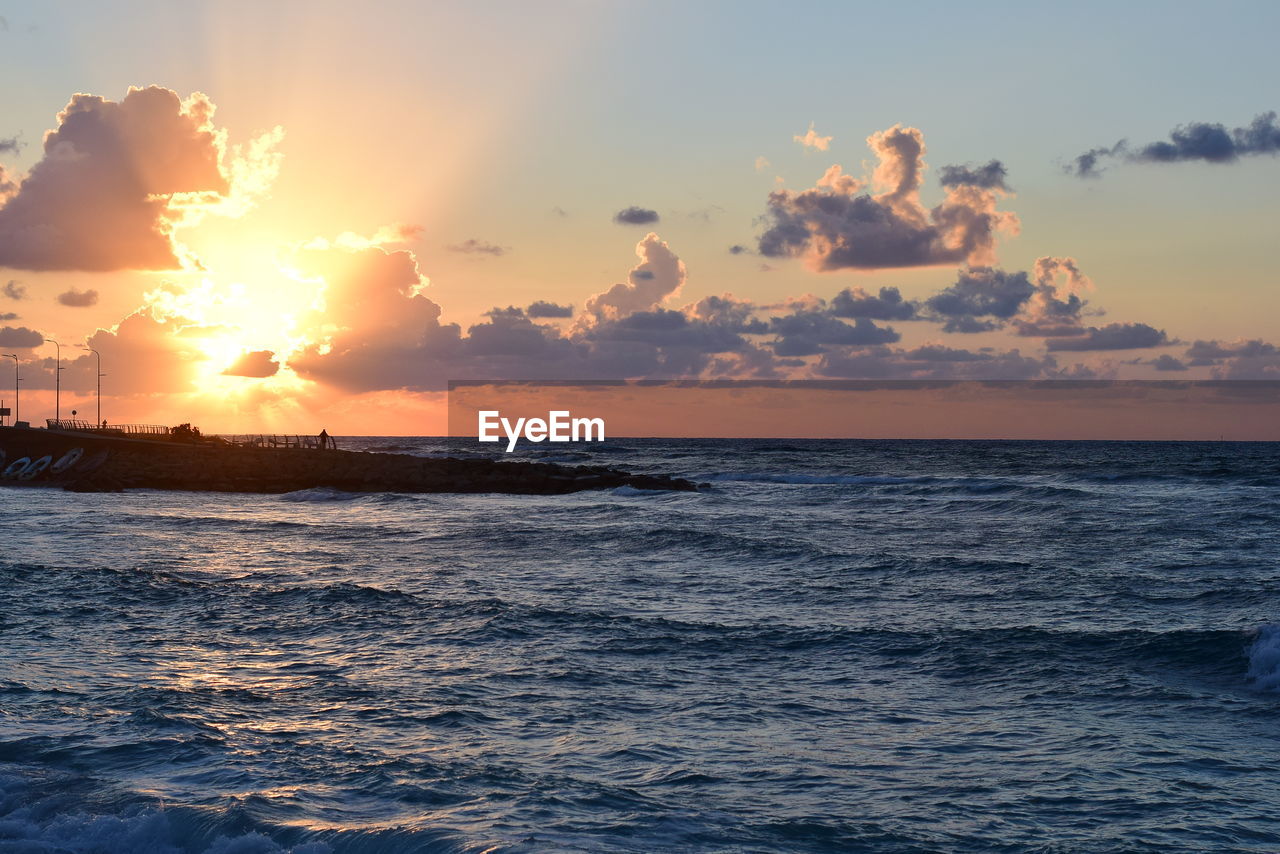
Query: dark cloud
{"points": [[20, 336], [738, 249], [984, 299], [14, 289], [477, 247], [1203, 141], [542, 308], [255, 363], [635, 216], [510, 332], [12, 145], [1168, 363], [8, 316], [991, 175], [1055, 310], [1207, 352], [78, 299], [99, 199], [981, 292], [1113, 336], [836, 225], [808, 332], [1237, 360], [729, 312], [1086, 165], [889, 305]]}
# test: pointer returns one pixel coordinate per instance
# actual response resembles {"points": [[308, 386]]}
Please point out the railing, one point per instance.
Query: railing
{"points": [[263, 441], [114, 429], [250, 441]]}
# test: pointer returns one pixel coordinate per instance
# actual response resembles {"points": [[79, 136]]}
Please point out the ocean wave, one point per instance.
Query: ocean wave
{"points": [[809, 479], [319, 494], [38, 817], [1264, 658]]}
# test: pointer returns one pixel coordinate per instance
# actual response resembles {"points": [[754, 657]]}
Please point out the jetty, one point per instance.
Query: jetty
{"points": [[84, 457]]}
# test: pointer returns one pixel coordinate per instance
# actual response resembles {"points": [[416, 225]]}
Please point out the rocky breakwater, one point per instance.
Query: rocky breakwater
{"points": [[228, 468]]}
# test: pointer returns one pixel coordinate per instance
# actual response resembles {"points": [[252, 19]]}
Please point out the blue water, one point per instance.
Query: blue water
{"points": [[839, 646]]}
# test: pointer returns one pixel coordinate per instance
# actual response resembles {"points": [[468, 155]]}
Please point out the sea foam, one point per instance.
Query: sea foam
{"points": [[1264, 658]]}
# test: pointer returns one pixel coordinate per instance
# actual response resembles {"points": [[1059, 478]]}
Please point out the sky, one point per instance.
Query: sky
{"points": [[278, 217]]}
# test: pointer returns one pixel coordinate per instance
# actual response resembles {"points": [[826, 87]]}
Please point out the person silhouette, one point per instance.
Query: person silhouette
{"points": [[324, 439]]}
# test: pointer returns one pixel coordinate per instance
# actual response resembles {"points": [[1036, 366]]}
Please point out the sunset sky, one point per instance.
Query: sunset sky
{"points": [[285, 216]]}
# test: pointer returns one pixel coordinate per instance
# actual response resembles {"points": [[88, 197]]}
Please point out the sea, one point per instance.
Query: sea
{"points": [[835, 646]]}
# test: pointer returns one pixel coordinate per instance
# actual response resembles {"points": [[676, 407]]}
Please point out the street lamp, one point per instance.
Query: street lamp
{"points": [[98, 396], [57, 385], [16, 412]]}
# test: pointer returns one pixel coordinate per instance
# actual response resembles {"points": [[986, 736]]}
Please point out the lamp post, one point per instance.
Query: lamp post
{"points": [[57, 384], [17, 413], [98, 394]]}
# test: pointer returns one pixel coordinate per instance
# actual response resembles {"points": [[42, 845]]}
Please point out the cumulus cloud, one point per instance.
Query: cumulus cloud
{"points": [[78, 299], [1056, 307], [762, 163], [1113, 336], [1253, 359], [118, 178], [477, 247], [812, 140], [807, 333], [635, 216], [8, 186], [1045, 302], [729, 312], [381, 332], [542, 308], [888, 305], [1203, 141], [1208, 352], [1168, 363], [836, 225], [658, 277], [20, 337], [981, 292], [143, 354], [255, 363], [13, 289], [378, 329]]}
